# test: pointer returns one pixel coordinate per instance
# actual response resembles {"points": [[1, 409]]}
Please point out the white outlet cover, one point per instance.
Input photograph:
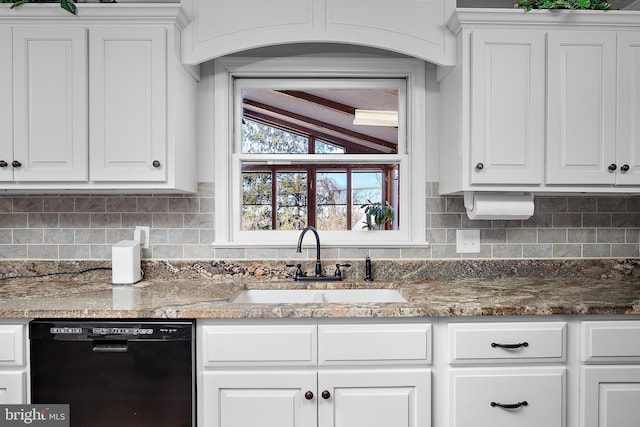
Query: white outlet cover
{"points": [[468, 241]]}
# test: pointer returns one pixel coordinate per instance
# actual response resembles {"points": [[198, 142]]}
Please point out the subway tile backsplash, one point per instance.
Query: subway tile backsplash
{"points": [[70, 227]]}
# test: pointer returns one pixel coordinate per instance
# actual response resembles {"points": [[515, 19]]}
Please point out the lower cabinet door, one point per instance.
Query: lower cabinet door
{"points": [[374, 398], [13, 388], [523, 397], [610, 397], [258, 398]]}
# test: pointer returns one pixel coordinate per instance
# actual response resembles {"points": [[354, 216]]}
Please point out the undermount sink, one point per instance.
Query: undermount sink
{"points": [[317, 296]]}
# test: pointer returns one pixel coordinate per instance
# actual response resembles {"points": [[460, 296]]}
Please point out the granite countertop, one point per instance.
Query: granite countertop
{"points": [[432, 288]]}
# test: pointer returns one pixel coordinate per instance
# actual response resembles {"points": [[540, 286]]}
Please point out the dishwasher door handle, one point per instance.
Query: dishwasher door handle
{"points": [[110, 347]]}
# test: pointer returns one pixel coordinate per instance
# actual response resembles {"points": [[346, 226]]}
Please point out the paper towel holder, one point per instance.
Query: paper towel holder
{"points": [[499, 205]]}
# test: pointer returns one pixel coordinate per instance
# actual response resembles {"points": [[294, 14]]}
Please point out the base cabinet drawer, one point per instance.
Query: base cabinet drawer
{"points": [[523, 397], [259, 345], [516, 342], [611, 341]]}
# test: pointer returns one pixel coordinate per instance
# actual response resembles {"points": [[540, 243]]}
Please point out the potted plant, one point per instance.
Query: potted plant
{"points": [[67, 5], [563, 4], [377, 215]]}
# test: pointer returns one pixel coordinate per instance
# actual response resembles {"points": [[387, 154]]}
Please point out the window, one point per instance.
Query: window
{"points": [[293, 155]]}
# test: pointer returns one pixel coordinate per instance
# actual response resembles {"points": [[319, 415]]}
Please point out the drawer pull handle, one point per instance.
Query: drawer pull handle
{"points": [[520, 344], [510, 405]]}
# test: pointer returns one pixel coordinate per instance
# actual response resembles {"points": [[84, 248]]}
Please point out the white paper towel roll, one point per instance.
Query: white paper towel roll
{"points": [[498, 205]]}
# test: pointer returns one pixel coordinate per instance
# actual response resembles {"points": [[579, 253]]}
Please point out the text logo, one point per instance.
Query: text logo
{"points": [[34, 415]]}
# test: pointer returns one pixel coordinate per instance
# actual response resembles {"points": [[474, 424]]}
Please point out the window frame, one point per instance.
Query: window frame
{"points": [[411, 148]]}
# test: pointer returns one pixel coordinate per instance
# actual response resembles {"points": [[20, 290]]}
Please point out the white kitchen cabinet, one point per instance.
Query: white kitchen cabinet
{"points": [[142, 110], [484, 392], [492, 136], [98, 101], [128, 100], [525, 396], [611, 396], [374, 398], [581, 109], [413, 27], [367, 374], [552, 115], [628, 138], [6, 105], [13, 387], [509, 342], [264, 398], [13, 363], [507, 107], [49, 104], [611, 390]]}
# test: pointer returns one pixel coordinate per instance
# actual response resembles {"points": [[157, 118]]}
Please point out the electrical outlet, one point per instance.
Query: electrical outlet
{"points": [[144, 243], [468, 241]]}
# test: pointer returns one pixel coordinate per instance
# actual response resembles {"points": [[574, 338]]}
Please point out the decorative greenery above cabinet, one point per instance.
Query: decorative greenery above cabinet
{"points": [[533, 105], [100, 100]]}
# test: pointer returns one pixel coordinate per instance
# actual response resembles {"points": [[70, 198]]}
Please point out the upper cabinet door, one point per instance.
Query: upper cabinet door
{"points": [[128, 92], [50, 103], [581, 110], [6, 106], [507, 107], [628, 153]]}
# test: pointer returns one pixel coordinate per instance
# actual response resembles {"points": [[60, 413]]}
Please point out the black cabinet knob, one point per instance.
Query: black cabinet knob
{"points": [[16, 164], [612, 167], [624, 168], [3, 164], [325, 394], [156, 164], [480, 166], [308, 395]]}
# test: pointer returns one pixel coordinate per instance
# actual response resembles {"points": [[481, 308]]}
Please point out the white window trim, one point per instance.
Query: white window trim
{"points": [[412, 221]]}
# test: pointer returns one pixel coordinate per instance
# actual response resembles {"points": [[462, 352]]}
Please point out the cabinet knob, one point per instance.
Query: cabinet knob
{"points": [[308, 395], [3, 164], [16, 164], [156, 163], [624, 168], [612, 167], [325, 394], [480, 166]]}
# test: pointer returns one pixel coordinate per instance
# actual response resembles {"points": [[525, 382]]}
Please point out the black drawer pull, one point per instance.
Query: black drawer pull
{"points": [[510, 405], [521, 344]]}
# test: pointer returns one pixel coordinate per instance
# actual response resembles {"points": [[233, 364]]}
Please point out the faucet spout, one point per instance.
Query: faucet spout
{"points": [[299, 248]]}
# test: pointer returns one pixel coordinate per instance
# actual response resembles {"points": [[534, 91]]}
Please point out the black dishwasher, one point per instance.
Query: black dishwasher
{"points": [[127, 373]]}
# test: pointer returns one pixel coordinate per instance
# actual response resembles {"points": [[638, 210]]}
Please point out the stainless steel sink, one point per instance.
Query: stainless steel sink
{"points": [[317, 296]]}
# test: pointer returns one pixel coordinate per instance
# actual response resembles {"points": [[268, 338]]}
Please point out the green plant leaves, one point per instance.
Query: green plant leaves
{"points": [[563, 4], [379, 213], [67, 5]]}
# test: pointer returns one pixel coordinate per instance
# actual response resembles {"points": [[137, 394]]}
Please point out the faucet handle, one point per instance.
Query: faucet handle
{"points": [[299, 273], [338, 272]]}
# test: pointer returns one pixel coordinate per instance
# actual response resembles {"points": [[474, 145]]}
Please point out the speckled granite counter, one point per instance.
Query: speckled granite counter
{"points": [[432, 288]]}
